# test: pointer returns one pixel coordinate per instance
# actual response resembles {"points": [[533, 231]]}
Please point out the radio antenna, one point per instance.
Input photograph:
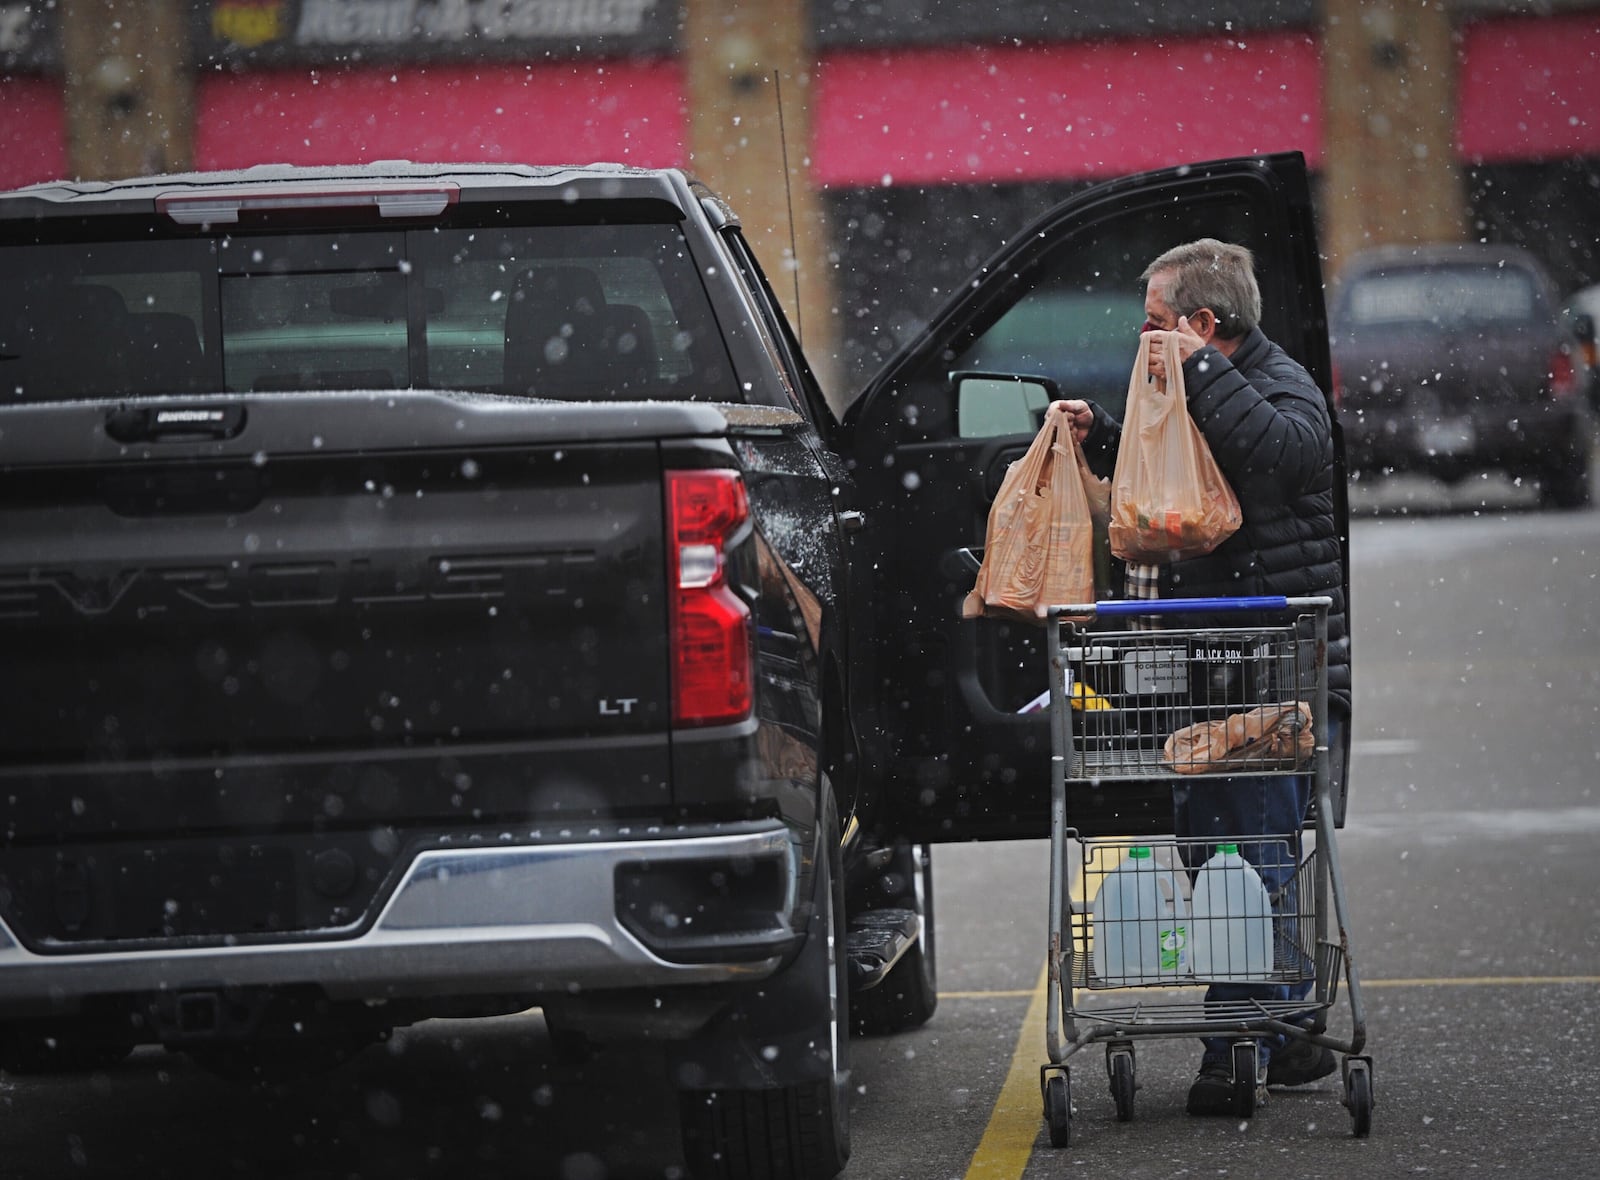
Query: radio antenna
{"points": [[788, 197]]}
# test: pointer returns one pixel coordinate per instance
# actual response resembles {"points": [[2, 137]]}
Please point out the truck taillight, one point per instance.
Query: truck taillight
{"points": [[1563, 375], [711, 656]]}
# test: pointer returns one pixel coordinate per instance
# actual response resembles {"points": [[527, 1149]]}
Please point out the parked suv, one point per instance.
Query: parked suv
{"points": [[1451, 359]]}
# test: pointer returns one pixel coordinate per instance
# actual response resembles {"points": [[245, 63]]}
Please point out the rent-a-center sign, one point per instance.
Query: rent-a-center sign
{"points": [[275, 32]]}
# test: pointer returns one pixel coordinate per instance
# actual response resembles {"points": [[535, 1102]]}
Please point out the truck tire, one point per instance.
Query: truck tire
{"points": [[908, 997], [798, 1131], [1565, 484]]}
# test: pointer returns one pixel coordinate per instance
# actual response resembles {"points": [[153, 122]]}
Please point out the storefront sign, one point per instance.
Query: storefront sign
{"points": [[272, 32]]}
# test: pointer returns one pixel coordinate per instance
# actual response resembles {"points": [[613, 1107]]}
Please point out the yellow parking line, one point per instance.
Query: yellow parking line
{"points": [[1018, 1114]]}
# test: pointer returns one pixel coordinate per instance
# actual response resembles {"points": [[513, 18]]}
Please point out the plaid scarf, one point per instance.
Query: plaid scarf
{"points": [[1143, 582]]}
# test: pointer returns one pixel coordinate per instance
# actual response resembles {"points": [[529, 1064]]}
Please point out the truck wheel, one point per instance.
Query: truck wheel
{"points": [[799, 1131], [908, 997], [1566, 485]]}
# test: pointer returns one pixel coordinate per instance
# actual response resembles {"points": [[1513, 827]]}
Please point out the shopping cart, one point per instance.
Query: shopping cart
{"points": [[1117, 700]]}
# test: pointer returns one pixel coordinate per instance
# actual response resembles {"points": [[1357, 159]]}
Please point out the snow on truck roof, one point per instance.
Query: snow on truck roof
{"points": [[379, 174]]}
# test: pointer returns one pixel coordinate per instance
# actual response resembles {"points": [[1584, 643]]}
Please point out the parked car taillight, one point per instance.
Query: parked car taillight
{"points": [[711, 646], [1338, 387], [1563, 375]]}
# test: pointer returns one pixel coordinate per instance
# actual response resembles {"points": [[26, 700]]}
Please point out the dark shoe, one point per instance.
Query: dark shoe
{"points": [[1300, 1062], [1212, 1092]]}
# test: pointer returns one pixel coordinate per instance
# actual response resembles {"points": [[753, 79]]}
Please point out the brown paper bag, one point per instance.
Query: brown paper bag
{"points": [[1038, 549], [1169, 500]]}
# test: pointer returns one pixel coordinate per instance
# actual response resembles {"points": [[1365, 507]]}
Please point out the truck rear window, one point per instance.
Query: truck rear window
{"points": [[1446, 295], [566, 312]]}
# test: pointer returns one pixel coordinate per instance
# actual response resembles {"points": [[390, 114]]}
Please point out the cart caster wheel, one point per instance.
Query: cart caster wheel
{"points": [[1058, 1107], [1119, 1064], [1358, 1095], [1245, 1080]]}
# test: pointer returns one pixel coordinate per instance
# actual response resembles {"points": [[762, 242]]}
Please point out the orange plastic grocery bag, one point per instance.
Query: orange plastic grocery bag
{"points": [[1038, 549], [1169, 500]]}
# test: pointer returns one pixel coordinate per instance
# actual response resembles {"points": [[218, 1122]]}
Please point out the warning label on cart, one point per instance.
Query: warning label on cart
{"points": [[1150, 671]]}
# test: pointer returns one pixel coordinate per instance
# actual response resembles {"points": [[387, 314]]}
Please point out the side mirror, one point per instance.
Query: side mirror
{"points": [[989, 405]]}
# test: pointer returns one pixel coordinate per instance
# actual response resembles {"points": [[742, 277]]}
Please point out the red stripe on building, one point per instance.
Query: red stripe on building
{"points": [[1066, 111], [33, 131], [1529, 89], [628, 112]]}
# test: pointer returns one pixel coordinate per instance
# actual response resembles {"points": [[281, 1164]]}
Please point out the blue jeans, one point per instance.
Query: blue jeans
{"points": [[1230, 810]]}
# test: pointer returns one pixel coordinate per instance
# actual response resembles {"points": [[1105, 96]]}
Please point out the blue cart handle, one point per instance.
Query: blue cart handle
{"points": [[1190, 606]]}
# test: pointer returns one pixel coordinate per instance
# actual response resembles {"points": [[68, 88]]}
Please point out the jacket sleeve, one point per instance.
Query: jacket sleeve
{"points": [[1100, 444], [1271, 438]]}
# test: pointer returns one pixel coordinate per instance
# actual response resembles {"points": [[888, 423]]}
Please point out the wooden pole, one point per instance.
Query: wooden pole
{"points": [[128, 88], [1389, 80], [733, 51]]}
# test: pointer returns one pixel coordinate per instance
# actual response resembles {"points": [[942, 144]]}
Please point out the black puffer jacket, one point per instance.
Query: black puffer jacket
{"points": [[1267, 425]]}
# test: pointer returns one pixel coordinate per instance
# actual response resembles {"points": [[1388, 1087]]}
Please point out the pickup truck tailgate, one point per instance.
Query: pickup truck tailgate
{"points": [[362, 634]]}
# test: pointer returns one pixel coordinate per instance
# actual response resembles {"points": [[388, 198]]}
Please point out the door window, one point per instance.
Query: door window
{"points": [[1078, 320]]}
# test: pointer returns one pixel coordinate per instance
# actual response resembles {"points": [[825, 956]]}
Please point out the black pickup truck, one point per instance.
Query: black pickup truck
{"points": [[444, 590]]}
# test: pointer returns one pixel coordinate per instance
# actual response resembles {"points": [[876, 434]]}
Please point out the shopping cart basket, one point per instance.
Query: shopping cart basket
{"points": [[1133, 710]]}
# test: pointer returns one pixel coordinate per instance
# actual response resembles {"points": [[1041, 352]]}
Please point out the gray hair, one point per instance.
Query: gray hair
{"points": [[1209, 273]]}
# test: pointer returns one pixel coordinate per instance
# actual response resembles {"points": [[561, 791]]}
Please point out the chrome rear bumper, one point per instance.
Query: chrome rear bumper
{"points": [[520, 919]]}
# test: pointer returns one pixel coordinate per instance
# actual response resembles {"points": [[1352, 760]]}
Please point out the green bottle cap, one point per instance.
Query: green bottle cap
{"points": [[1233, 848], [1139, 853]]}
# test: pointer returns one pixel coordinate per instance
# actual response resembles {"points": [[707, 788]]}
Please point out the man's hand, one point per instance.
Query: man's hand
{"points": [[1081, 415], [1189, 343]]}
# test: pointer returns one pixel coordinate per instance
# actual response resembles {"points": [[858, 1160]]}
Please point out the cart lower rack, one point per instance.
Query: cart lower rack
{"points": [[1242, 697]]}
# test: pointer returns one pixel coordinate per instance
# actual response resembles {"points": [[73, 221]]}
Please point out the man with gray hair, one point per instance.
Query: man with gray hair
{"points": [[1269, 429]]}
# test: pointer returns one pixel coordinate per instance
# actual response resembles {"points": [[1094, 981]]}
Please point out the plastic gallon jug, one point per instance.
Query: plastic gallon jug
{"points": [[1230, 928], [1140, 919]]}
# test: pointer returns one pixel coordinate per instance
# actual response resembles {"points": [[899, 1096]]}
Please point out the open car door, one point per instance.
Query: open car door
{"points": [[1062, 300]]}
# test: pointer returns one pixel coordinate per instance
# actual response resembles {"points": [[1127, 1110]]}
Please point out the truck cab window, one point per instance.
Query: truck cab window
{"points": [[570, 312]]}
